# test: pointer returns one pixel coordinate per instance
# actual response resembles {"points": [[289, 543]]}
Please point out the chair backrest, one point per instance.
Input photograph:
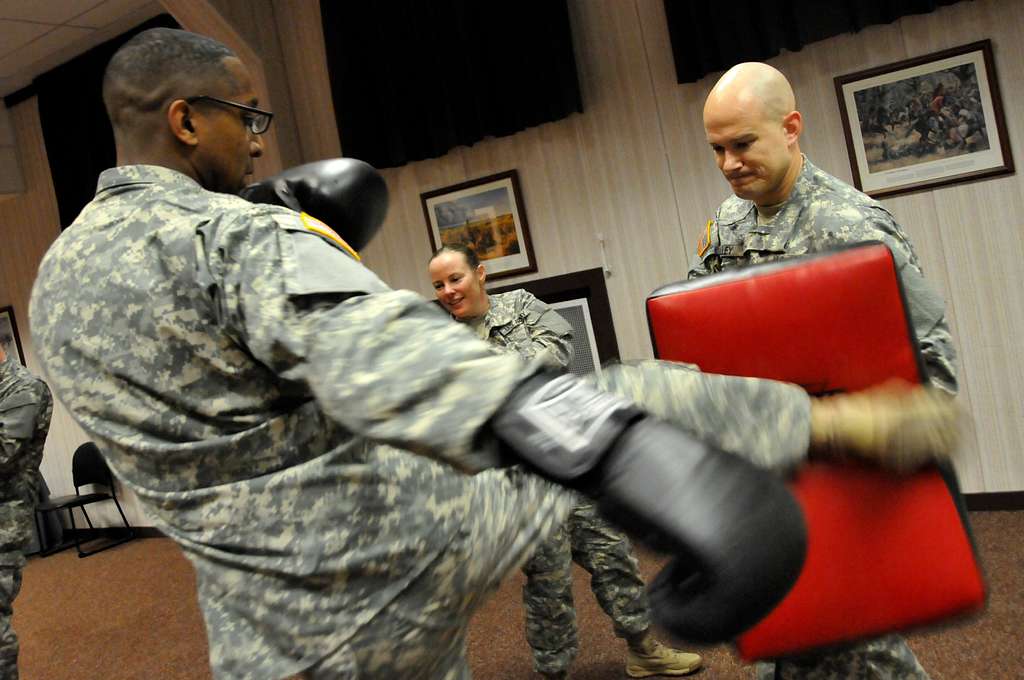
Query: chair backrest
{"points": [[88, 467]]}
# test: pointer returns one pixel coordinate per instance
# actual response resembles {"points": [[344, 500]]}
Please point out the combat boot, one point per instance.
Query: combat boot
{"points": [[649, 657], [898, 426]]}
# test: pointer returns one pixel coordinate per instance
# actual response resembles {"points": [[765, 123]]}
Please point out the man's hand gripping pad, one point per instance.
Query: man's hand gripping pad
{"points": [[885, 552]]}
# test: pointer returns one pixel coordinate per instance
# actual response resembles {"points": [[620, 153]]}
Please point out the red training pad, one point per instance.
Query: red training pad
{"points": [[828, 323], [885, 552]]}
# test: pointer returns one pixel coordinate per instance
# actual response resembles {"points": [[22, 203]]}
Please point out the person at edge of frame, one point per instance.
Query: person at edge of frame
{"points": [[25, 410]]}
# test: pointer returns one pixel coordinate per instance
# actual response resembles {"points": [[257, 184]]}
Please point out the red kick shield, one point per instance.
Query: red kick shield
{"points": [[885, 552]]}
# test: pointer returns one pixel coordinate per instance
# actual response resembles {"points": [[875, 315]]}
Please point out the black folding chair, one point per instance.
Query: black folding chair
{"points": [[87, 467]]}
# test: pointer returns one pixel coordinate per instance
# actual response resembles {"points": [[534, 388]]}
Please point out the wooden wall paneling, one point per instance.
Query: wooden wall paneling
{"points": [[29, 223], [563, 199], [985, 252], [697, 186], [560, 245], [566, 206], [919, 216], [302, 45], [626, 169]]}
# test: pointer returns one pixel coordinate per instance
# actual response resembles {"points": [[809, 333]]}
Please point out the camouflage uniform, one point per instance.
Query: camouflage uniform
{"points": [[823, 212], [25, 410], [241, 371], [234, 366], [518, 322]]}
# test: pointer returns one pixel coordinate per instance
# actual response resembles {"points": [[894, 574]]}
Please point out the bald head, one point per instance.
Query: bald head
{"points": [[751, 85], [752, 125]]}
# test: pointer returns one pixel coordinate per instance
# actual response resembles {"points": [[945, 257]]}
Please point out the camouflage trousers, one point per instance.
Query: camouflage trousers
{"points": [[10, 584], [764, 421], [422, 635], [604, 551], [887, 658]]}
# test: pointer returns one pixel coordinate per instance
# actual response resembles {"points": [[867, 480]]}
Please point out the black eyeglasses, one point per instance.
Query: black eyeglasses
{"points": [[257, 120]]}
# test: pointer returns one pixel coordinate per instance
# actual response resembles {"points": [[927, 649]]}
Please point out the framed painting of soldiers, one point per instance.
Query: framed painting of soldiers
{"points": [[925, 122], [9, 339], [487, 215]]}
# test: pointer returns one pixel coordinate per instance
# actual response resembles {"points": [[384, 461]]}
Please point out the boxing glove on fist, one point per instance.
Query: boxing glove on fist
{"points": [[737, 533], [347, 194]]}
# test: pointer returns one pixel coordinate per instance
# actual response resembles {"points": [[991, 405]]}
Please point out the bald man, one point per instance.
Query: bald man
{"points": [[783, 206]]}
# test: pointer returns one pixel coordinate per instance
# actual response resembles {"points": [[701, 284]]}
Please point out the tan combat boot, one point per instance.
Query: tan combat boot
{"points": [[649, 657], [896, 425]]}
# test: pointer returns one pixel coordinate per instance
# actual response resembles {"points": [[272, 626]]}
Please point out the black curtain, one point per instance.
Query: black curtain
{"points": [[411, 79], [77, 132], [713, 36]]}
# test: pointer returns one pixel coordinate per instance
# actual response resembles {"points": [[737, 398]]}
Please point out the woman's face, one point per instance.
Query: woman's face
{"points": [[459, 288]]}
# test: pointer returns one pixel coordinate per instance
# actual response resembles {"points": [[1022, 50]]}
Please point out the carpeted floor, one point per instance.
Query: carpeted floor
{"points": [[131, 612]]}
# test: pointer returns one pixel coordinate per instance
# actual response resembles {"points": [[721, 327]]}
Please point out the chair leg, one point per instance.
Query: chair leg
{"points": [[131, 531], [129, 535], [74, 532], [39, 534], [62, 544], [89, 521]]}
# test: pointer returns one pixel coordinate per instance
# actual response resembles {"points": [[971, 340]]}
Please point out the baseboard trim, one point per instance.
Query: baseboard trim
{"points": [[1001, 500], [149, 532], [86, 534], [976, 502]]}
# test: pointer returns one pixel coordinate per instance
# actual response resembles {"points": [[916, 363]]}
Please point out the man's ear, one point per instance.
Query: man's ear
{"points": [[179, 120], [792, 126], [481, 273]]}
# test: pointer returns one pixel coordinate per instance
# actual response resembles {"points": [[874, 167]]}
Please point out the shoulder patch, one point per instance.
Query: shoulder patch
{"points": [[316, 226], [705, 240]]}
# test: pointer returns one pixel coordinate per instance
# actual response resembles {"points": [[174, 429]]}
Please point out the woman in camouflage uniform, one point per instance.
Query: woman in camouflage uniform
{"points": [[518, 322]]}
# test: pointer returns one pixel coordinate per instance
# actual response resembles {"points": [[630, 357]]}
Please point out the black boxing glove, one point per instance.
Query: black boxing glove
{"points": [[347, 194], [737, 533]]}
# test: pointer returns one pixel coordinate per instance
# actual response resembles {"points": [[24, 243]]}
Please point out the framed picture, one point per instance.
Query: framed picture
{"points": [[486, 215], [9, 334], [582, 300], [925, 122]]}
